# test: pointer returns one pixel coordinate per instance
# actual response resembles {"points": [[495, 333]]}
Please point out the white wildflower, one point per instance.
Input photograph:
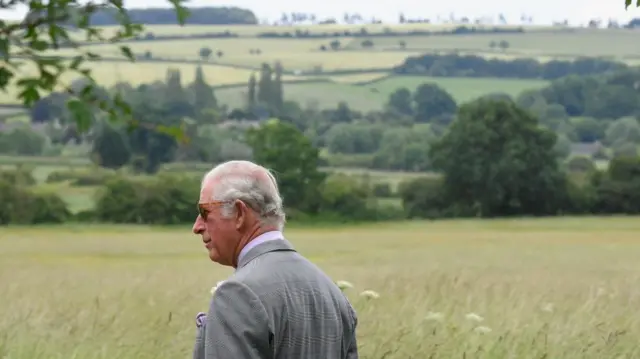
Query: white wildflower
{"points": [[474, 317], [547, 307], [369, 294], [434, 316], [482, 330], [343, 284], [213, 289]]}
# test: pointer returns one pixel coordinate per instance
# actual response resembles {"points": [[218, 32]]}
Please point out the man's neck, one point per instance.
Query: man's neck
{"points": [[255, 237], [264, 237]]}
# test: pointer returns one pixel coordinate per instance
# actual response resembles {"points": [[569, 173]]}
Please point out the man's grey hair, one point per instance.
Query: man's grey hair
{"points": [[250, 183]]}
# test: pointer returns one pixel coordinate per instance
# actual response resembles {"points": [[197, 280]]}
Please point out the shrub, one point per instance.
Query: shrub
{"points": [[344, 196], [22, 140], [353, 160], [600, 154], [18, 176], [425, 198], [21, 205], [164, 199], [382, 190], [93, 177], [49, 208], [581, 164], [618, 189], [347, 198]]}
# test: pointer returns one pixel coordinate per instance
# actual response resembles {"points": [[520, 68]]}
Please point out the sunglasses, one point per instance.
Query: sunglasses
{"points": [[205, 208]]}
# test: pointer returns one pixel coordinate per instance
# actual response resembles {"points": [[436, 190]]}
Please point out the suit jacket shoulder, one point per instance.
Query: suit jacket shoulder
{"points": [[307, 312]]}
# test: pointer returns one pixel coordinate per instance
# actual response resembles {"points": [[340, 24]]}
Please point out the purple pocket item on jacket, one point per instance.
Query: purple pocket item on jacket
{"points": [[201, 319]]}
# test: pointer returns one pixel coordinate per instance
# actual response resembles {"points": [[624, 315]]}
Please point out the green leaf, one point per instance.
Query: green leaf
{"points": [[627, 4], [77, 61], [81, 113], [126, 51], [94, 33], [87, 91], [4, 49], [29, 95], [57, 33], [93, 56], [5, 77], [173, 131], [39, 45], [182, 13]]}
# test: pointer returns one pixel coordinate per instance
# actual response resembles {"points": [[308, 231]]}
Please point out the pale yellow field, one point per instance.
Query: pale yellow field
{"points": [[110, 73], [252, 30], [618, 43], [189, 49], [354, 79], [303, 55], [555, 288]]}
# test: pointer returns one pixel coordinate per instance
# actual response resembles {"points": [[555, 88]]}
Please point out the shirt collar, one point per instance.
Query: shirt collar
{"points": [[264, 237]]}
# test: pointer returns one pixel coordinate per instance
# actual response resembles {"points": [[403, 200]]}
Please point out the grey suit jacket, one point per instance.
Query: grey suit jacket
{"points": [[278, 305]]}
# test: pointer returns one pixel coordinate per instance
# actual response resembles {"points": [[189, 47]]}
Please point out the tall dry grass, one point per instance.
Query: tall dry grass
{"points": [[559, 288]]}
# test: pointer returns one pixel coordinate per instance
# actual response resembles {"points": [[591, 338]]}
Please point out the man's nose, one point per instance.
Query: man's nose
{"points": [[198, 225]]}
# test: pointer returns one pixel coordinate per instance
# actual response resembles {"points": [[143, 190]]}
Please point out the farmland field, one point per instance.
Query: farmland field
{"points": [[109, 73], [373, 96], [462, 89], [580, 42], [615, 43], [302, 55], [253, 30], [306, 61], [323, 94], [555, 288]]}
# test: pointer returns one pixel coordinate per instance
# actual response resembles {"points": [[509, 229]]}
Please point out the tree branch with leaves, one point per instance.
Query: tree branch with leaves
{"points": [[53, 25]]}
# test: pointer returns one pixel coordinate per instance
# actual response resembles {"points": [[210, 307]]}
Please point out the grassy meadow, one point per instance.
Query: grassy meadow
{"points": [[545, 288], [374, 95]]}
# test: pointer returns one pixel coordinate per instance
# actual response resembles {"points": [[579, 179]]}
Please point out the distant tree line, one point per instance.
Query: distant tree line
{"points": [[306, 34], [454, 65], [388, 32], [207, 15]]}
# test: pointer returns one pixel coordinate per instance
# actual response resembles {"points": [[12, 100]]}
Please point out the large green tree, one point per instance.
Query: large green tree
{"points": [[498, 161], [282, 148], [65, 24], [432, 101]]}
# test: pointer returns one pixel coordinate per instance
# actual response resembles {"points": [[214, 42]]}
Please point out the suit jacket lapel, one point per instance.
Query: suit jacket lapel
{"points": [[263, 248]]}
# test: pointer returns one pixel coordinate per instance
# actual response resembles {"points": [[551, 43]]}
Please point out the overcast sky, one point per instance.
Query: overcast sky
{"points": [[543, 11]]}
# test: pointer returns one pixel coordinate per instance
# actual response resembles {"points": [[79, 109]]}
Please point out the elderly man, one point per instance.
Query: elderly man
{"points": [[277, 304]]}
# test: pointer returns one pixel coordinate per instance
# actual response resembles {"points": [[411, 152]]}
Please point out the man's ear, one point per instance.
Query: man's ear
{"points": [[240, 213]]}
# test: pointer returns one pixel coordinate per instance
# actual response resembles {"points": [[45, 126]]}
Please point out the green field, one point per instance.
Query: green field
{"points": [[374, 96], [554, 288]]}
